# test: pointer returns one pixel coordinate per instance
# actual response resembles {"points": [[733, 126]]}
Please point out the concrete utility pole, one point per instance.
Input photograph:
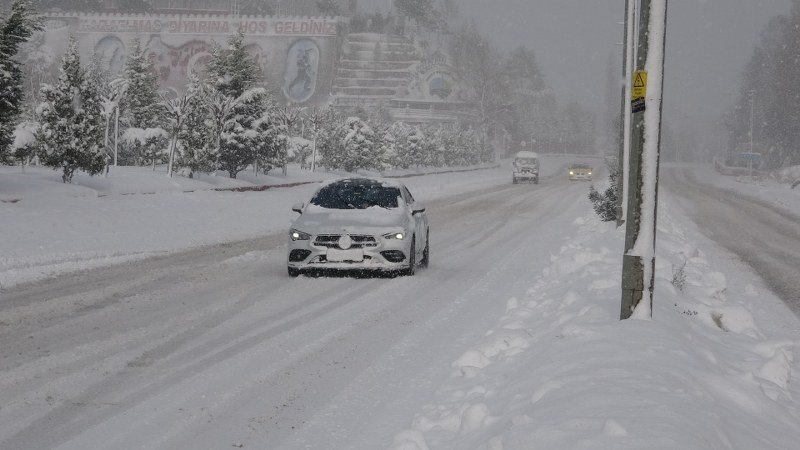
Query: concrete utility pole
{"points": [[633, 265]]}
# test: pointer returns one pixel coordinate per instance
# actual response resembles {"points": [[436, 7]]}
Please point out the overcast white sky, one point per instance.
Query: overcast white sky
{"points": [[709, 42]]}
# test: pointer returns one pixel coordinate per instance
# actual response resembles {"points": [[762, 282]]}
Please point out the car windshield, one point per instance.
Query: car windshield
{"points": [[526, 161], [350, 195]]}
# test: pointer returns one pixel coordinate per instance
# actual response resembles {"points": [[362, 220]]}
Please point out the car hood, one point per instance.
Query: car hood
{"points": [[375, 220]]}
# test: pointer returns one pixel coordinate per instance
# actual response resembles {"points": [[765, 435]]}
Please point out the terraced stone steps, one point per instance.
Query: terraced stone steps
{"points": [[373, 68]]}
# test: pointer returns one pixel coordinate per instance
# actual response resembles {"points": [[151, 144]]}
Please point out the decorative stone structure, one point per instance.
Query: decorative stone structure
{"points": [[296, 53], [377, 69]]}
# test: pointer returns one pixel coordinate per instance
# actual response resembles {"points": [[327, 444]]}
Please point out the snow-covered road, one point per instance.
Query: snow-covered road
{"points": [[763, 236], [218, 347]]}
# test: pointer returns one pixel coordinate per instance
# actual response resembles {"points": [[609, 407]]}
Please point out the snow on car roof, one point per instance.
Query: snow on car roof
{"points": [[526, 154], [363, 180]]}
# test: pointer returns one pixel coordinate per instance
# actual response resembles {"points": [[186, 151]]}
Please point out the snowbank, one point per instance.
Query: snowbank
{"points": [[559, 370]]}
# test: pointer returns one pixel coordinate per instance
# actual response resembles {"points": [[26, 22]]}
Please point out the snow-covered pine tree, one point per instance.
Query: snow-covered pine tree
{"points": [[468, 144], [141, 105], [238, 141], [220, 110], [98, 73], [141, 102], [71, 121], [39, 63], [196, 142], [271, 142], [235, 105], [395, 144], [328, 126], [360, 150], [440, 146], [15, 30], [231, 70], [416, 148]]}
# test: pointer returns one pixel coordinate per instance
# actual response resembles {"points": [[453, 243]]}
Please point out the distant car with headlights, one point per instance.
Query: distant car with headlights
{"points": [[580, 172], [362, 224], [526, 167]]}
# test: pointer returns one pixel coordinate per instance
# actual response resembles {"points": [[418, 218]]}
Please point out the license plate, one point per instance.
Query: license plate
{"points": [[352, 255]]}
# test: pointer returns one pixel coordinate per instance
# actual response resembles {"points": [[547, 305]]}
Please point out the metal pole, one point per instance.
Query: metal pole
{"points": [[633, 270], [752, 110], [314, 153], [116, 135], [621, 154], [105, 142], [625, 123]]}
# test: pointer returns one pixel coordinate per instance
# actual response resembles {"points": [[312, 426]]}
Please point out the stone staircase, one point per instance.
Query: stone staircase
{"points": [[373, 68]]}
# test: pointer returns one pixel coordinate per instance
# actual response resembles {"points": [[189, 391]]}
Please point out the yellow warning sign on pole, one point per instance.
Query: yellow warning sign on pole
{"points": [[639, 85]]}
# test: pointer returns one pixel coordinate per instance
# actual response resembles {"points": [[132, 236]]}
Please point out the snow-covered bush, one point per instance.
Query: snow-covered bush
{"points": [[148, 144], [197, 144], [299, 151], [605, 204], [354, 147], [395, 140], [270, 143], [24, 146]]}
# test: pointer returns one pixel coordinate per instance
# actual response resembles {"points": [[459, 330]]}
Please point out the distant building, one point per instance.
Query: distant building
{"points": [[180, 6], [211, 7]]}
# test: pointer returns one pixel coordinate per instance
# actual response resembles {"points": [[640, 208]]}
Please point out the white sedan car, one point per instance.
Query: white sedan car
{"points": [[359, 224]]}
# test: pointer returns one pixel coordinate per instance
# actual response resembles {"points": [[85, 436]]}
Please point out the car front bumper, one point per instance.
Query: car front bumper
{"points": [[321, 252], [526, 175]]}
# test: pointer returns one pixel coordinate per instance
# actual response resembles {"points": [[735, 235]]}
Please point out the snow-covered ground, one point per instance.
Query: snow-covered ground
{"points": [[714, 368], [52, 228], [775, 190]]}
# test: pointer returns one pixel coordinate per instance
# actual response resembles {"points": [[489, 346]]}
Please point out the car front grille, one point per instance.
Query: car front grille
{"points": [[332, 241]]}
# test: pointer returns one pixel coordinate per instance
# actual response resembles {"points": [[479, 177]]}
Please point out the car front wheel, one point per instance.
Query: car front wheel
{"points": [[426, 254], [293, 272], [412, 260]]}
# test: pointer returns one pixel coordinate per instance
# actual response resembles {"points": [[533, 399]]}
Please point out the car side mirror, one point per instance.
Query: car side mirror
{"points": [[298, 208], [417, 209]]}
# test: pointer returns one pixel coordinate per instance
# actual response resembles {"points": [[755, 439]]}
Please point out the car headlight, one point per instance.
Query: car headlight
{"points": [[398, 236], [590, 173], [298, 235], [571, 172]]}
